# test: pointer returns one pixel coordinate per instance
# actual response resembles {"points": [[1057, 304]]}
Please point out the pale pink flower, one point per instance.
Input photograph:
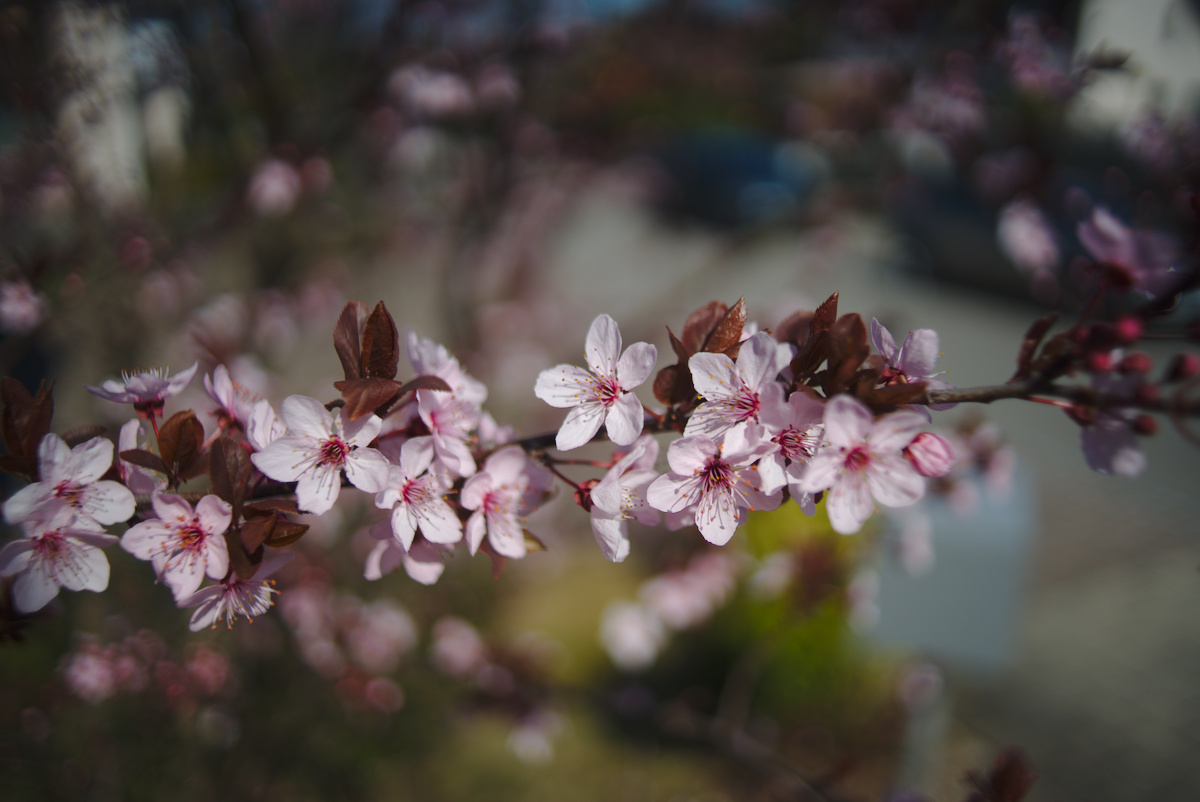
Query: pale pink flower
{"points": [[1146, 258], [429, 358], [621, 495], [913, 361], [632, 636], [235, 404], [274, 188], [602, 395], [264, 426], [736, 394], [423, 562], [146, 390], [498, 494], [90, 674], [931, 454], [380, 635], [232, 597], [861, 458], [417, 500], [61, 549], [183, 545], [71, 477], [21, 308], [317, 448], [717, 479], [450, 421], [1027, 239], [796, 428]]}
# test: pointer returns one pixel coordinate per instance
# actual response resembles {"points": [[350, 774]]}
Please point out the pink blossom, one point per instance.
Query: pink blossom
{"points": [[382, 633], [61, 549], [457, 649], [71, 477], [317, 448], [931, 454], [417, 500], [796, 429], [736, 394], [621, 495], [603, 394], [21, 308], [1027, 239], [274, 189], [183, 545], [233, 597], [1146, 258], [450, 421], [716, 479], [264, 426], [498, 494], [147, 390], [423, 562], [428, 358], [235, 403], [861, 458], [913, 361], [632, 635]]}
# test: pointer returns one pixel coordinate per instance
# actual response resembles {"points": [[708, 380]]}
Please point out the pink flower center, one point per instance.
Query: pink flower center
{"points": [[607, 390], [50, 546], [746, 404], [191, 536], [858, 459], [716, 475], [795, 444], [416, 492], [333, 452], [69, 492]]}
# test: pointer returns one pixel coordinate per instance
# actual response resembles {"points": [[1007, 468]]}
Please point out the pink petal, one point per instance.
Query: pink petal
{"points": [[54, 459], [603, 346], [34, 588], [894, 431], [361, 432], [611, 536], [580, 426], [439, 524], [565, 386], [404, 525], [672, 493], [717, 517], [881, 338], [88, 569], [423, 564], [306, 417], [383, 559], [714, 375], [918, 356], [285, 459], [29, 502], [894, 482], [415, 458], [475, 531], [15, 556], [367, 469], [758, 360], [849, 503], [689, 454], [215, 515], [847, 422], [506, 537], [636, 365], [318, 489], [109, 502], [624, 420], [144, 540], [89, 461]]}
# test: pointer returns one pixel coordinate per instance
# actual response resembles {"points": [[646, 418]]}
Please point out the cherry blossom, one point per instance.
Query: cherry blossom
{"points": [[61, 549], [621, 495], [264, 426], [183, 544], [931, 454], [498, 496], [147, 390], [603, 394], [716, 479], [233, 596], [913, 361], [429, 358], [738, 393], [71, 477], [423, 562], [235, 403], [861, 458], [317, 448], [1145, 258], [450, 422], [417, 500], [796, 428]]}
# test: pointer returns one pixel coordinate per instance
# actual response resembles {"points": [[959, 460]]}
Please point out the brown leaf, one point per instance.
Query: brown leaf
{"points": [[1029, 345], [673, 385], [81, 434], [230, 469], [380, 345], [728, 331], [824, 316], [848, 348], [20, 466], [425, 383], [26, 418], [285, 534], [243, 561], [255, 531], [347, 339], [180, 442], [681, 351], [268, 505], [894, 395], [794, 328], [1009, 780], [144, 459], [364, 396], [700, 325]]}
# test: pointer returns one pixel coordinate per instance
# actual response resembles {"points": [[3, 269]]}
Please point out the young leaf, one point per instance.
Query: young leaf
{"points": [[81, 434], [180, 441], [1029, 345], [700, 324], [380, 345], [728, 331], [285, 533], [347, 341], [144, 459], [848, 348], [230, 469], [364, 396]]}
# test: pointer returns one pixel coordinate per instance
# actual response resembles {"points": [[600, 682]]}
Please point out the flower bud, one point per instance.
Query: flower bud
{"points": [[1145, 425], [1099, 361], [931, 454], [1129, 330], [1083, 414], [1137, 362], [1182, 367], [1147, 393]]}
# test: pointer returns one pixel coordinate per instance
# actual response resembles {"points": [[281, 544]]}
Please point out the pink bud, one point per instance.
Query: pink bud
{"points": [[1136, 362], [1129, 330], [1145, 425], [1183, 366], [931, 454]]}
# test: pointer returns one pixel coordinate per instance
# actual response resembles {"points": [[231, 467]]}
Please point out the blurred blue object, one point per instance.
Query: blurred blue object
{"points": [[734, 179]]}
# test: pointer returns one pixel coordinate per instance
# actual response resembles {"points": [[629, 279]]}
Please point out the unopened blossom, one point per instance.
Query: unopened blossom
{"points": [[621, 495], [716, 479], [61, 549], [603, 394], [1145, 258], [931, 454], [183, 545], [860, 459], [736, 394], [914, 361], [497, 496], [796, 428], [317, 448], [147, 390], [71, 477], [417, 500], [231, 597]]}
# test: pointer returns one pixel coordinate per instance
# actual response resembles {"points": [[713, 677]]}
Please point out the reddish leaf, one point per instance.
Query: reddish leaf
{"points": [[1029, 345], [794, 328], [700, 325], [144, 459], [347, 338], [425, 383], [26, 418], [230, 469], [728, 331], [681, 351], [244, 562], [364, 396], [1009, 780], [255, 531], [285, 533], [380, 345], [673, 385], [81, 434], [824, 316], [180, 442], [848, 349], [268, 505], [894, 395]]}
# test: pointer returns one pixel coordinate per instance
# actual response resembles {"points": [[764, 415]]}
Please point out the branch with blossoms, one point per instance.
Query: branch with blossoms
{"points": [[824, 409]]}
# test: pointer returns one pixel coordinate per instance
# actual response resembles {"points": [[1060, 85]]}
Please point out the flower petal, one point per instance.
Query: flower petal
{"points": [[306, 417], [580, 426], [565, 386], [624, 420], [636, 365], [849, 503], [603, 346]]}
